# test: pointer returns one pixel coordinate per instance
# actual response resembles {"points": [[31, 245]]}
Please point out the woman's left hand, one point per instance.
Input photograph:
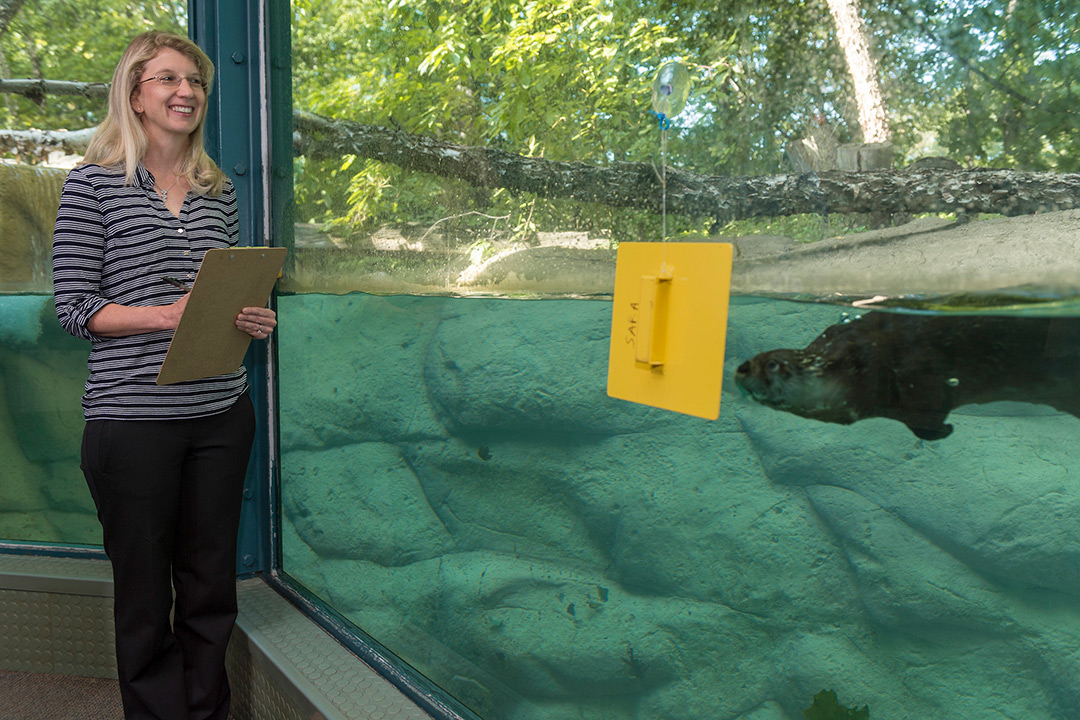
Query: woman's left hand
{"points": [[256, 322]]}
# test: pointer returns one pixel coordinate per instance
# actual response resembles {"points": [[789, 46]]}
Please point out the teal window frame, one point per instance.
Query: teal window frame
{"points": [[237, 131], [249, 134]]}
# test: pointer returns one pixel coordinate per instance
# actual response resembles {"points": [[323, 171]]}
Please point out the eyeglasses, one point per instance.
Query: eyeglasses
{"points": [[170, 81]]}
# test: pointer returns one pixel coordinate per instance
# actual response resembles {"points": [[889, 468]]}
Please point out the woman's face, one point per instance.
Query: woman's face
{"points": [[166, 111]]}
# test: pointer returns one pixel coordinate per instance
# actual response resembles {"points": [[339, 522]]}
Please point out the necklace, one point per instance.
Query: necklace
{"points": [[165, 193]]}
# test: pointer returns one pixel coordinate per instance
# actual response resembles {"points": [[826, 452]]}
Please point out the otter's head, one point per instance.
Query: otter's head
{"points": [[797, 382]]}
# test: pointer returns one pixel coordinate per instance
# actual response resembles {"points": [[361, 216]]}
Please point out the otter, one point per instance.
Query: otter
{"points": [[917, 368]]}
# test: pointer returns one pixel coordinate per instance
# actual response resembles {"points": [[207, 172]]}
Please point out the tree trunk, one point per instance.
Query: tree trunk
{"points": [[851, 34]]}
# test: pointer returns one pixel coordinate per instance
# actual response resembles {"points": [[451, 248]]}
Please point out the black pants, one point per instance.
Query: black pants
{"points": [[168, 496]]}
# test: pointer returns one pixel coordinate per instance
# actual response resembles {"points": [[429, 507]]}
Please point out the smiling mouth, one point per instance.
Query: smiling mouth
{"points": [[182, 109]]}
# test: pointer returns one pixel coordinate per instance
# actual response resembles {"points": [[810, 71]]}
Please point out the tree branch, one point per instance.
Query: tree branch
{"points": [[36, 90], [624, 184], [949, 46]]}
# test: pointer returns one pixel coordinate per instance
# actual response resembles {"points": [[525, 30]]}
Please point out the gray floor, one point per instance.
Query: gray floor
{"points": [[56, 652], [41, 696]]}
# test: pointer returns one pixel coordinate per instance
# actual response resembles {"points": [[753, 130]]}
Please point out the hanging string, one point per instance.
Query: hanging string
{"points": [[671, 88], [663, 179], [663, 122]]}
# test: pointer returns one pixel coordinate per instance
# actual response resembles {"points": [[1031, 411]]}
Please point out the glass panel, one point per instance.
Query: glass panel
{"points": [[56, 59], [881, 516]]}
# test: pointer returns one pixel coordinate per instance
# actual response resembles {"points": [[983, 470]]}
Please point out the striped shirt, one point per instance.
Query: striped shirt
{"points": [[113, 243]]}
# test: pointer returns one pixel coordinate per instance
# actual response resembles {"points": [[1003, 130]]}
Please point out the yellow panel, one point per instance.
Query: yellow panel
{"points": [[668, 325]]}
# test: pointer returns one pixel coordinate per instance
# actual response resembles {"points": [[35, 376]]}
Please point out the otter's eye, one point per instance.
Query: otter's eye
{"points": [[773, 366]]}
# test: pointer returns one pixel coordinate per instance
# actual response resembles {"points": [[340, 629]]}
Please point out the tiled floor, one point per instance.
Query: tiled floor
{"points": [[41, 696]]}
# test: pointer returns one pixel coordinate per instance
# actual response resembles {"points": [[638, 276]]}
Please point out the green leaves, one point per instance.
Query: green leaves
{"points": [[566, 79], [984, 81], [79, 41]]}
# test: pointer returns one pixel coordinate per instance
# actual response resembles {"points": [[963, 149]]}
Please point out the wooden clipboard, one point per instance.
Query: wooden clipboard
{"points": [[206, 342]]}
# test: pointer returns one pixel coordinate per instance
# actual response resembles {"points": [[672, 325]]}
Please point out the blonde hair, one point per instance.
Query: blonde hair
{"points": [[120, 141]]}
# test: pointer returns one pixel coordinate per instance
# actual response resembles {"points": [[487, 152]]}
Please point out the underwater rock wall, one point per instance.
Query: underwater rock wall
{"points": [[43, 496], [457, 482]]}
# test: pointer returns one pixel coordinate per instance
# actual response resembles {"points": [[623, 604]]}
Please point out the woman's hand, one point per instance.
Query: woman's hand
{"points": [[257, 322], [175, 310]]}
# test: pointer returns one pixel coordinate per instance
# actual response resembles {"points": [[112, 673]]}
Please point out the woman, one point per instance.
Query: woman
{"points": [[165, 463]]}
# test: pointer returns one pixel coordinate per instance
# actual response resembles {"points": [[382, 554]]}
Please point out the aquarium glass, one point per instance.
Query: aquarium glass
{"points": [[73, 47], [882, 521]]}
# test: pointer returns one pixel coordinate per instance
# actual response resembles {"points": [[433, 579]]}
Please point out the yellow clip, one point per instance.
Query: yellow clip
{"points": [[650, 350]]}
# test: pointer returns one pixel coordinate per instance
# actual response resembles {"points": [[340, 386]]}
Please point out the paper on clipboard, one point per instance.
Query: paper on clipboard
{"points": [[206, 342]]}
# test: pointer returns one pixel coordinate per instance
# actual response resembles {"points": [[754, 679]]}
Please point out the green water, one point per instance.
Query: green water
{"points": [[43, 496], [457, 483]]}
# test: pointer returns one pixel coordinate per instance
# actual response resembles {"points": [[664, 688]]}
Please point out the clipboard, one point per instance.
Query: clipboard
{"points": [[206, 342]]}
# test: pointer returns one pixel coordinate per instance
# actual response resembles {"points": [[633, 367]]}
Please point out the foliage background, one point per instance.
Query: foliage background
{"points": [[984, 82], [78, 40]]}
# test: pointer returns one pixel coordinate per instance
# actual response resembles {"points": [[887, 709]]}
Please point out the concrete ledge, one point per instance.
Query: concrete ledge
{"points": [[315, 672], [56, 617], [65, 576]]}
